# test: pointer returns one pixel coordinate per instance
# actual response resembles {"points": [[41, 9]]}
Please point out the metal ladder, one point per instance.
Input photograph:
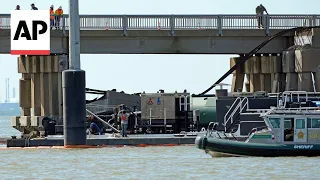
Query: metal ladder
{"points": [[239, 105]]}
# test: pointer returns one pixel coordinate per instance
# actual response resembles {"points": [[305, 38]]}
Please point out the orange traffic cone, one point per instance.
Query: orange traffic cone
{"points": [[107, 26]]}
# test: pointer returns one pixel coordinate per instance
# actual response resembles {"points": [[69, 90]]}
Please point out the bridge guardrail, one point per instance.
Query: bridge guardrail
{"points": [[182, 22]]}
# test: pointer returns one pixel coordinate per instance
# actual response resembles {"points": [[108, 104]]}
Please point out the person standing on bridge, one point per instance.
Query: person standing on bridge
{"points": [[33, 7], [58, 13], [259, 11], [51, 17]]}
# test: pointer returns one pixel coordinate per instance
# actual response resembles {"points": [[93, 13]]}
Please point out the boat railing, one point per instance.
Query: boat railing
{"points": [[212, 131], [300, 110], [288, 96], [253, 130], [240, 104]]}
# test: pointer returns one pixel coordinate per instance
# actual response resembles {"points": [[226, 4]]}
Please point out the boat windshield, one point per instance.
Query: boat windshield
{"points": [[275, 122]]}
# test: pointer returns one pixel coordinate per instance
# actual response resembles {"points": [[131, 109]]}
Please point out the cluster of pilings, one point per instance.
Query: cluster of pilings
{"points": [[40, 91], [262, 72], [296, 69]]}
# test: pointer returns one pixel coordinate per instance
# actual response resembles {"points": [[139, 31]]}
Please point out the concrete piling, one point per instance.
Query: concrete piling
{"points": [[39, 85], [306, 62], [25, 94], [238, 75], [253, 68]]}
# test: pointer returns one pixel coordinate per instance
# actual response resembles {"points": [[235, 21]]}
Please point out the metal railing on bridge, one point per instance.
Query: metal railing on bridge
{"points": [[182, 22]]}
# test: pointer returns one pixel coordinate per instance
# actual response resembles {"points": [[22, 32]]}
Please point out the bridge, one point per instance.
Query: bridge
{"points": [[171, 34]]}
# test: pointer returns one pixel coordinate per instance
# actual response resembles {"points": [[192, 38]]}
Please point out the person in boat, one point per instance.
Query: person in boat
{"points": [[289, 135], [123, 115]]}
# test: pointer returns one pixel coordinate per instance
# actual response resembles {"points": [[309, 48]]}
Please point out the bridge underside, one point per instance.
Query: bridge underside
{"points": [[161, 42]]}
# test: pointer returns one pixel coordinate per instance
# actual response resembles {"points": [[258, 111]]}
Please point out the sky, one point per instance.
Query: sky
{"points": [[151, 71]]}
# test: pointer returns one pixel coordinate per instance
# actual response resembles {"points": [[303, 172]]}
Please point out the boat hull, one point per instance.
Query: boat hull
{"points": [[237, 148], [215, 154]]}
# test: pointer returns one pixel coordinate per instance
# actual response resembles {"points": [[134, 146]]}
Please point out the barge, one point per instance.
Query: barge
{"points": [[159, 118]]}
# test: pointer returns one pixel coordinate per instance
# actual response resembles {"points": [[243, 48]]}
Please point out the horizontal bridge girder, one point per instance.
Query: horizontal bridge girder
{"points": [[161, 42]]}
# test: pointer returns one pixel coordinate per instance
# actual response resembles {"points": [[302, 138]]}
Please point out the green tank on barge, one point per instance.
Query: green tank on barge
{"points": [[207, 109]]}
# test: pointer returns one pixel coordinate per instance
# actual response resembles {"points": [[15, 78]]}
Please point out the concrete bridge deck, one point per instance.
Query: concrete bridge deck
{"points": [[168, 34]]}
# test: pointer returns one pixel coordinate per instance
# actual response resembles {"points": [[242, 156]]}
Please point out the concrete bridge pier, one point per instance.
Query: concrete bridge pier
{"points": [[288, 67], [40, 91], [306, 61], [300, 62], [262, 72], [238, 75]]}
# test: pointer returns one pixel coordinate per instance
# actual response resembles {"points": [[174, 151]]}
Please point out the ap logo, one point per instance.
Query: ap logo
{"points": [[30, 32]]}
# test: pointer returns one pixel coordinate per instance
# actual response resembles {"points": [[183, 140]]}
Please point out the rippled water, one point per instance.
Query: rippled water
{"points": [[5, 128], [180, 162]]}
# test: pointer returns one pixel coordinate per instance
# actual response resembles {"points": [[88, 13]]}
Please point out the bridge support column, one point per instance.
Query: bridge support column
{"points": [[238, 75], [288, 67], [263, 73], [41, 86], [252, 69], [306, 63], [266, 70], [25, 94], [247, 83]]}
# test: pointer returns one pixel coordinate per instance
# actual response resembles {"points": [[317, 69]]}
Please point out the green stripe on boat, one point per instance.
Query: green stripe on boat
{"points": [[261, 136]]}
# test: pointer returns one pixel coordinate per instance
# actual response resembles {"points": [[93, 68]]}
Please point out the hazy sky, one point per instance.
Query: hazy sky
{"points": [[151, 71]]}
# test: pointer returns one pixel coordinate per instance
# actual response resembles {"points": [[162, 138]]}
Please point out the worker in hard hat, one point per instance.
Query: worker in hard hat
{"points": [[51, 17], [58, 13], [259, 11]]}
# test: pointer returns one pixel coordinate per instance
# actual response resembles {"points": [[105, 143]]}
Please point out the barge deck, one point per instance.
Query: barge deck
{"points": [[107, 140]]}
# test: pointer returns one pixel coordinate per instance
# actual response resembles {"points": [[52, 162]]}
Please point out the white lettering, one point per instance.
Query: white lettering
{"points": [[303, 146], [30, 32]]}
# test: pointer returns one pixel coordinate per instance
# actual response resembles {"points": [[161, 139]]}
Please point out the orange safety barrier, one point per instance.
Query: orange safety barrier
{"points": [[141, 145]]}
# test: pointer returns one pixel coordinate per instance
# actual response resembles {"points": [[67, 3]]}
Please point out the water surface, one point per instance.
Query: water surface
{"points": [[179, 162]]}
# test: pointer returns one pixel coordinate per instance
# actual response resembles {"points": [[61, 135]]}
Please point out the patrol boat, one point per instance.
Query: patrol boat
{"points": [[288, 132]]}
